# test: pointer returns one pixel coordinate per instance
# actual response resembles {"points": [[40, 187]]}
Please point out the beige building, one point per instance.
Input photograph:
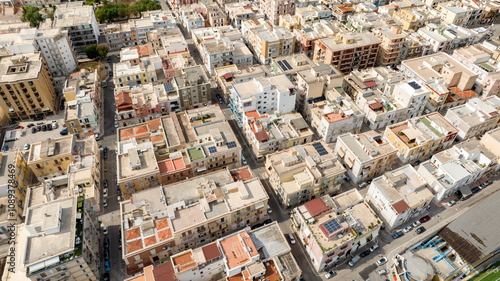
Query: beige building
{"points": [[304, 172], [26, 88], [192, 86], [390, 48], [365, 155], [51, 156]]}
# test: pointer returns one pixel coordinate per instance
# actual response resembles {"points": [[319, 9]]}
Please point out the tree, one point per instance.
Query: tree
{"points": [[102, 51], [91, 52], [32, 14]]}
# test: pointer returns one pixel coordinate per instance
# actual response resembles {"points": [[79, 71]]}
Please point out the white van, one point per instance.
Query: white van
{"points": [[354, 260]]}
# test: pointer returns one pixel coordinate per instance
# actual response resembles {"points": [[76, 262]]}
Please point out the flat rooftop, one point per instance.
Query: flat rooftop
{"points": [[25, 67], [359, 40], [432, 66], [270, 240], [367, 146], [73, 14], [136, 159], [50, 148]]}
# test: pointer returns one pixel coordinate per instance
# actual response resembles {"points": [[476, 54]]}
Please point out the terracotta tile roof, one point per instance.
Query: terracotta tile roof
{"points": [[154, 124], [161, 224], [261, 136], [141, 129], [400, 206], [134, 246], [184, 262], [242, 174], [370, 84], [179, 163], [164, 234], [316, 207], [164, 271], [157, 138], [211, 251], [126, 133], [148, 241], [132, 233], [166, 166], [376, 105], [463, 94], [123, 98]]}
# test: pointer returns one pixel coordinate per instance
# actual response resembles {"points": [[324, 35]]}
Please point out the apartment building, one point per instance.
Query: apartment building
{"points": [[476, 117], [391, 45], [490, 142], [80, 22], [312, 14], [348, 52], [118, 36], [191, 16], [308, 36], [241, 11], [479, 60], [448, 37], [186, 220], [333, 227], [365, 22], [150, 21], [365, 155], [360, 82], [334, 115], [416, 17], [421, 137], [303, 172], [455, 14], [268, 133], [178, 4], [454, 169], [341, 11], [13, 159], [227, 75], [268, 41], [64, 244], [192, 86], [413, 46], [290, 65], [27, 88], [264, 94], [149, 69], [274, 8]]}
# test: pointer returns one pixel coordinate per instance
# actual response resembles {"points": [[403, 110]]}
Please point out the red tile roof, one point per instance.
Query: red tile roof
{"points": [[161, 224], [370, 84], [123, 98], [132, 233], [164, 272], [211, 251], [154, 124], [261, 136], [134, 246], [148, 241], [141, 129], [179, 163], [316, 207], [400, 206], [164, 234]]}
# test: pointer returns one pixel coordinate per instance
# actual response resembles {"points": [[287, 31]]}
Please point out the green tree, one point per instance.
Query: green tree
{"points": [[32, 14], [91, 52], [102, 51], [100, 15]]}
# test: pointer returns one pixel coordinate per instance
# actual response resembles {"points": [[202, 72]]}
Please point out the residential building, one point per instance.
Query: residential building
{"points": [[290, 65], [264, 94], [242, 10], [334, 227], [413, 46], [27, 88], [14, 159], [365, 22], [215, 16], [303, 172], [307, 37], [454, 14], [191, 17], [448, 37], [268, 41], [360, 82], [80, 22], [118, 36], [421, 137], [476, 117], [390, 48], [455, 169], [227, 75], [150, 21], [268, 133], [341, 11], [334, 115], [131, 73], [489, 142], [416, 17], [178, 4], [64, 244], [312, 14], [399, 196], [365, 155], [187, 220], [348, 52], [192, 86], [290, 22], [273, 9]]}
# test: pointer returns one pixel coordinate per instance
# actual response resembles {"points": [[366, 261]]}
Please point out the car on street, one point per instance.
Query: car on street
{"points": [[373, 248], [19, 127], [424, 219], [105, 230], [64, 131], [105, 203], [38, 118], [420, 230], [362, 184], [105, 182], [243, 160], [106, 67], [118, 191], [30, 125], [408, 229], [33, 130], [108, 59], [382, 261], [107, 266], [119, 199], [269, 210], [451, 203], [255, 226], [291, 238], [105, 277], [397, 234], [26, 146], [105, 155], [44, 128], [354, 260], [54, 125], [383, 272], [416, 223], [116, 124], [105, 192], [365, 253], [268, 221], [106, 242], [330, 274], [5, 148], [110, 73]]}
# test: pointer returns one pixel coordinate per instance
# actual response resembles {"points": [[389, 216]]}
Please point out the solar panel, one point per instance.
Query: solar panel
{"points": [[168, 86], [320, 149], [280, 63], [286, 64], [212, 149], [332, 226], [231, 144], [414, 85]]}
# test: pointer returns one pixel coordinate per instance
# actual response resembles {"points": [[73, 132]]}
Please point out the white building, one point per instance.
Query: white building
{"points": [[399, 195]]}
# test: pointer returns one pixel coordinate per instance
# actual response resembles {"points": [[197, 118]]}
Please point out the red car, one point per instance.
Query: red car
{"points": [[19, 127], [424, 219]]}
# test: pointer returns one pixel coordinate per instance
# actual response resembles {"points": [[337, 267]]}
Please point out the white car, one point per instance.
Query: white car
{"points": [[116, 124], [105, 203], [105, 192], [105, 230], [362, 184], [330, 274], [407, 229], [416, 223], [373, 248], [382, 261], [243, 160], [26, 146], [269, 210], [383, 271], [451, 203]]}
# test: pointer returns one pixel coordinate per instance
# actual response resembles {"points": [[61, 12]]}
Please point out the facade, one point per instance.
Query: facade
{"points": [[365, 156], [303, 172], [348, 52], [143, 70], [268, 133], [390, 48], [80, 22], [273, 9], [242, 10], [227, 75], [399, 196], [421, 137], [192, 86], [417, 17], [27, 88], [333, 227], [118, 35]]}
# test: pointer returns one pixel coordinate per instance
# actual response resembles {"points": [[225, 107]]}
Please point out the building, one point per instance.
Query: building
{"points": [[399, 196], [242, 10], [308, 36], [142, 70], [227, 75], [64, 244], [208, 208], [348, 52], [14, 159], [476, 117], [390, 48], [191, 16], [273, 9], [365, 155], [118, 36], [303, 172], [312, 14], [268, 133], [150, 21], [413, 46], [416, 17], [334, 115], [360, 82], [455, 169], [448, 37], [341, 11], [268, 41], [192, 87], [455, 14], [264, 94], [290, 65], [80, 22], [421, 137], [27, 88], [334, 227]]}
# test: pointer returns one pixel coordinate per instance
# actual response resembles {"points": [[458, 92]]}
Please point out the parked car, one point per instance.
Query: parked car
{"points": [[44, 128], [106, 67], [105, 192], [408, 229], [106, 242], [397, 234], [54, 125], [33, 130], [365, 253], [451, 203], [116, 124], [291, 238], [382, 261], [5, 148], [373, 248], [30, 125], [354, 260], [119, 199], [110, 73], [330, 274], [424, 219], [269, 210], [118, 191], [38, 118], [105, 277], [108, 59], [26, 146], [63, 132], [107, 266], [420, 230], [268, 221], [105, 182], [49, 128], [243, 160], [362, 184], [383, 271], [105, 230], [105, 203], [416, 223], [19, 127]]}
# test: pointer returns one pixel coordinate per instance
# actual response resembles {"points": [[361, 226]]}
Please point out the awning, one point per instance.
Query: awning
{"points": [[465, 191]]}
